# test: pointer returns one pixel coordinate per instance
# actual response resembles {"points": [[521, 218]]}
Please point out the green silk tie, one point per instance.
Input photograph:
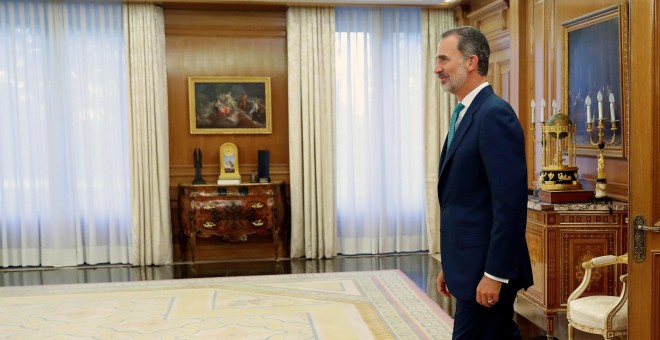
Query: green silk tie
{"points": [[452, 124]]}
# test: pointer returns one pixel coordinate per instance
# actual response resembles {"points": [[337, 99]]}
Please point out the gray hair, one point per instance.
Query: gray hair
{"points": [[472, 42]]}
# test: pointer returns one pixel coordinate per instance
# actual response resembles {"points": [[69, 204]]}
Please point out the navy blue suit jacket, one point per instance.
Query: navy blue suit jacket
{"points": [[482, 189]]}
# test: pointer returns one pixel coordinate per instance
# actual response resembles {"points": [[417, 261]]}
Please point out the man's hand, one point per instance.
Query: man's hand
{"points": [[488, 291], [441, 285]]}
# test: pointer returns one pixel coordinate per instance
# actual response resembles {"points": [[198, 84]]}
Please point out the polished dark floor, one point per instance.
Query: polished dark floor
{"points": [[421, 268]]}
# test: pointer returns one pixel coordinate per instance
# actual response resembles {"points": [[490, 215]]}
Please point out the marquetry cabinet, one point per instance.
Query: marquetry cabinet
{"points": [[231, 212], [560, 238]]}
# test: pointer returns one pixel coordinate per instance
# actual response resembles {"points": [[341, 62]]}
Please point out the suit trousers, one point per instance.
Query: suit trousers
{"points": [[473, 321]]}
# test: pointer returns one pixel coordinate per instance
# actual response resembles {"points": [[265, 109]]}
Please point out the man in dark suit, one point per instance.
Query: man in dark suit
{"points": [[482, 189]]}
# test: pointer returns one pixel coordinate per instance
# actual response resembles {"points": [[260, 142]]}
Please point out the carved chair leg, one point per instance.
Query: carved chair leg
{"points": [[570, 332]]}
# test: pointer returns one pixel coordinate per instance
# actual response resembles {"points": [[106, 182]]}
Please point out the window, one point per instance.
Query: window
{"points": [[380, 179], [64, 173]]}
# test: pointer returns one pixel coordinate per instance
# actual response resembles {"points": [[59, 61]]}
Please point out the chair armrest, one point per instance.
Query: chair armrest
{"points": [[588, 266], [606, 260], [582, 287], [620, 302]]}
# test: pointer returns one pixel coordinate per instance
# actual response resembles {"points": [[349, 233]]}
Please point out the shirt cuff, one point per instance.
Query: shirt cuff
{"points": [[497, 278]]}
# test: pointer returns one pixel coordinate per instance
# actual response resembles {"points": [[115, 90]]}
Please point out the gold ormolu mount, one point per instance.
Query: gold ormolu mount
{"points": [[558, 169]]}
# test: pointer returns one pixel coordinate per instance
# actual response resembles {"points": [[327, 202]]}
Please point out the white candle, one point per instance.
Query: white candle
{"points": [[554, 107], [532, 113], [588, 102], [542, 108], [612, 114], [599, 96]]}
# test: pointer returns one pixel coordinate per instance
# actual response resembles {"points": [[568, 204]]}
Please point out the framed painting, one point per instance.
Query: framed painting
{"points": [[596, 62], [229, 105]]}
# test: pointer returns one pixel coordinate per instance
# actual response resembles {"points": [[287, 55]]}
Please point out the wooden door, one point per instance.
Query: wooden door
{"points": [[644, 192]]}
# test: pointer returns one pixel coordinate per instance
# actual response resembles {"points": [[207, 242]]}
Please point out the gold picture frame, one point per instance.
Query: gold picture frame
{"points": [[229, 105], [595, 58], [229, 168]]}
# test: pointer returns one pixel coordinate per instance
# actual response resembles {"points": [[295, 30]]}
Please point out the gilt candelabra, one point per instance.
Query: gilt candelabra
{"points": [[600, 190]]}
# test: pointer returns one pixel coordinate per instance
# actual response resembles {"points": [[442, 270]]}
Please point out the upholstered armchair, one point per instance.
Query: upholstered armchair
{"points": [[599, 314]]}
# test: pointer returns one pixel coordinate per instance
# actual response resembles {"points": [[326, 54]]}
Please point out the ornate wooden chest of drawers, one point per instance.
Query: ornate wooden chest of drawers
{"points": [[231, 212], [560, 238]]}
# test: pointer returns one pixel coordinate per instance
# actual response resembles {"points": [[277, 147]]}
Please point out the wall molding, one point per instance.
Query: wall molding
{"points": [[496, 8], [210, 173]]}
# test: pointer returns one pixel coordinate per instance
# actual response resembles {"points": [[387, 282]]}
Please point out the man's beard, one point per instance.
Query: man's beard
{"points": [[455, 81]]}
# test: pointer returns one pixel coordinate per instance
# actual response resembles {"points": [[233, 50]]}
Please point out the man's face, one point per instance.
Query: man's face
{"points": [[450, 65]]}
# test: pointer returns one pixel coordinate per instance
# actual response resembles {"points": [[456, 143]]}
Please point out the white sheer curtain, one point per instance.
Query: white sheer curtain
{"points": [[380, 131], [64, 172]]}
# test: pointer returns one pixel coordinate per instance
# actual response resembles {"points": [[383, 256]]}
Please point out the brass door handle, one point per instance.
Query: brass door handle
{"points": [[208, 207], [257, 205], [258, 223], [208, 225], [655, 228], [639, 237]]}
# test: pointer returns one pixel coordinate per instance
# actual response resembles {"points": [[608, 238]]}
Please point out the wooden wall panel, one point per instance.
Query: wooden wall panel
{"points": [[224, 43], [538, 63], [505, 79], [499, 73], [543, 33], [518, 73], [541, 42], [493, 20], [616, 169], [214, 41]]}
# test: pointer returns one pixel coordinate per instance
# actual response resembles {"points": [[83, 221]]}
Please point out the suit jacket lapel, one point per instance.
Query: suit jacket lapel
{"points": [[465, 124]]}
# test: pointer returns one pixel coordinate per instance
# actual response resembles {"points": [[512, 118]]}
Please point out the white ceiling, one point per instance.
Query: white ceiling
{"points": [[369, 2], [427, 3]]}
